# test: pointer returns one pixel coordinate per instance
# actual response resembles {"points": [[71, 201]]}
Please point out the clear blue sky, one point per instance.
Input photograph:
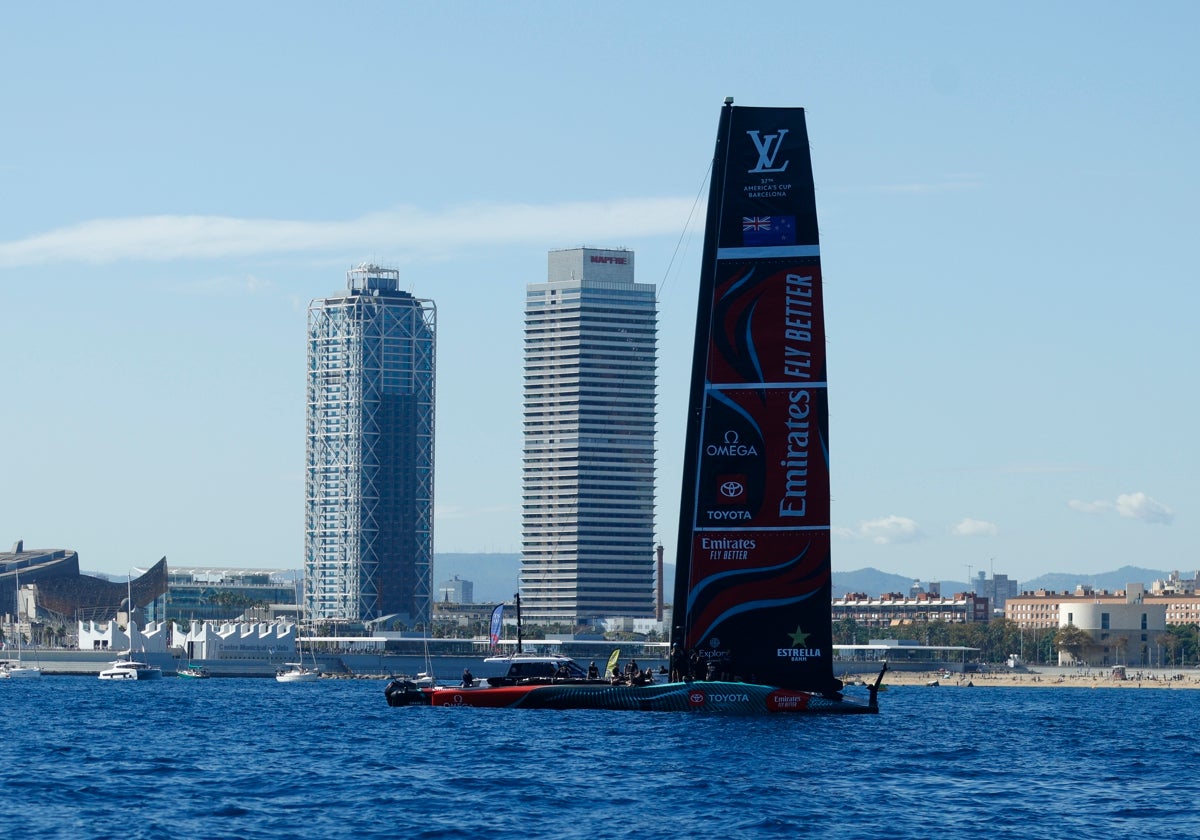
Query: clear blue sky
{"points": [[1007, 196]]}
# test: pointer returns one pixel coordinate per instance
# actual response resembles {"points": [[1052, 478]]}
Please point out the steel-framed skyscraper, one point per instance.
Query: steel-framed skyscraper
{"points": [[369, 454], [588, 500]]}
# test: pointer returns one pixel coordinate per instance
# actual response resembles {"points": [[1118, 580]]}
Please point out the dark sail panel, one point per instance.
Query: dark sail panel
{"points": [[754, 592]]}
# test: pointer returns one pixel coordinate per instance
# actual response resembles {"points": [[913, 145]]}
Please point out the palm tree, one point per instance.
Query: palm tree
{"points": [[1169, 642], [1121, 644]]}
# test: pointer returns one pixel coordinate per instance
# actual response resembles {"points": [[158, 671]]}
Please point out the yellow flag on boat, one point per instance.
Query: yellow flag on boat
{"points": [[612, 662]]}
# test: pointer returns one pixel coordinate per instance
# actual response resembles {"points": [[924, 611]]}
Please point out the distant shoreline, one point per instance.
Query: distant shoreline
{"points": [[1149, 678]]}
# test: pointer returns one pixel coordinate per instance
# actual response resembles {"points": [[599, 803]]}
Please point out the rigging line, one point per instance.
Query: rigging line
{"points": [[691, 213]]}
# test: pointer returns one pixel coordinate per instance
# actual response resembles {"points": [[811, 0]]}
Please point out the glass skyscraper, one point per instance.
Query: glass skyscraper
{"points": [[369, 454], [588, 473]]}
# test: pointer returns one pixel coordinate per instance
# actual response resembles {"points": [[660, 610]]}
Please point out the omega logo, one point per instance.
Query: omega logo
{"points": [[731, 445]]}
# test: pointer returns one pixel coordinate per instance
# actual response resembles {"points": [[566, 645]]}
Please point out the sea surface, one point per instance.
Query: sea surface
{"points": [[252, 758]]}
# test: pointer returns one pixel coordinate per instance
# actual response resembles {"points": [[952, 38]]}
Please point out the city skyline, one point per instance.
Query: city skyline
{"points": [[1005, 200]]}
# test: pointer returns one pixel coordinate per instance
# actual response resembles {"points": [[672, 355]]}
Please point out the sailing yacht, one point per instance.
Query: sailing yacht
{"points": [[125, 667], [753, 617], [10, 669], [295, 672]]}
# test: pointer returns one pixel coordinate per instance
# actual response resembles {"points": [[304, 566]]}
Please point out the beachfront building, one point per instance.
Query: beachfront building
{"points": [[368, 548], [1122, 632], [1040, 608], [1127, 627], [896, 610], [588, 473]]}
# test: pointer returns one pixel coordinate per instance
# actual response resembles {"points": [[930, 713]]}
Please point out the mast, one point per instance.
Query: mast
{"points": [[695, 410], [17, 613], [517, 599], [129, 615]]}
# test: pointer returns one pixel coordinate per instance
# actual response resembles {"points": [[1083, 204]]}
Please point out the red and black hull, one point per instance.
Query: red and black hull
{"points": [[723, 697]]}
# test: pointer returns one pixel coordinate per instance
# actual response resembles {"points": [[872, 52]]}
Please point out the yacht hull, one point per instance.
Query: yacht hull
{"points": [[723, 697], [297, 676], [119, 674], [19, 672]]}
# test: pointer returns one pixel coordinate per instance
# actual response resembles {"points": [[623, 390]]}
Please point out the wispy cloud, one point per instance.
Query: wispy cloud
{"points": [[449, 512], [404, 229], [1131, 506], [1041, 469], [924, 187], [223, 285], [927, 188], [889, 529], [974, 528]]}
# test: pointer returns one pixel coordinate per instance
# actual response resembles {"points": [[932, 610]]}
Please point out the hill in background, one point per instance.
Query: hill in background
{"points": [[495, 577], [1111, 581]]}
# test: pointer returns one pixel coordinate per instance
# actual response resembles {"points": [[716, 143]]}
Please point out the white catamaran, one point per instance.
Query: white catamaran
{"points": [[125, 667]]}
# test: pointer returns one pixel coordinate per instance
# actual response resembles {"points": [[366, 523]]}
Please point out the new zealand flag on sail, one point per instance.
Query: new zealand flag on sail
{"points": [[768, 230]]}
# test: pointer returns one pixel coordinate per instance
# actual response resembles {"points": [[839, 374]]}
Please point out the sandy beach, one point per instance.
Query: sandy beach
{"points": [[1049, 678]]}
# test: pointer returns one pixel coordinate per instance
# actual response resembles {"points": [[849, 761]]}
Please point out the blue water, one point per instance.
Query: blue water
{"points": [[258, 759]]}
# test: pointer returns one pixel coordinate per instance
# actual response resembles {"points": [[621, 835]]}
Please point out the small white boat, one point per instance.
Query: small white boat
{"points": [[296, 672], [293, 672], [17, 670], [128, 668], [194, 672]]}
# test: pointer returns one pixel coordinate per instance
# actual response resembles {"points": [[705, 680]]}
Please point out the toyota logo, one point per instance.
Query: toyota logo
{"points": [[732, 489]]}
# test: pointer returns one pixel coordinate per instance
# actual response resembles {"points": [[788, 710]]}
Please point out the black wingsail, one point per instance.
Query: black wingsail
{"points": [[752, 592]]}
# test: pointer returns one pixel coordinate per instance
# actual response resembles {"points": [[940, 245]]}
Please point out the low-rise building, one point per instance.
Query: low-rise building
{"points": [[1122, 632], [224, 594], [895, 609], [1040, 608], [1175, 584], [236, 640]]}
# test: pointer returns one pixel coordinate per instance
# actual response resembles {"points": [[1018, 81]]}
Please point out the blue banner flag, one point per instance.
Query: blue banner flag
{"points": [[497, 624]]}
